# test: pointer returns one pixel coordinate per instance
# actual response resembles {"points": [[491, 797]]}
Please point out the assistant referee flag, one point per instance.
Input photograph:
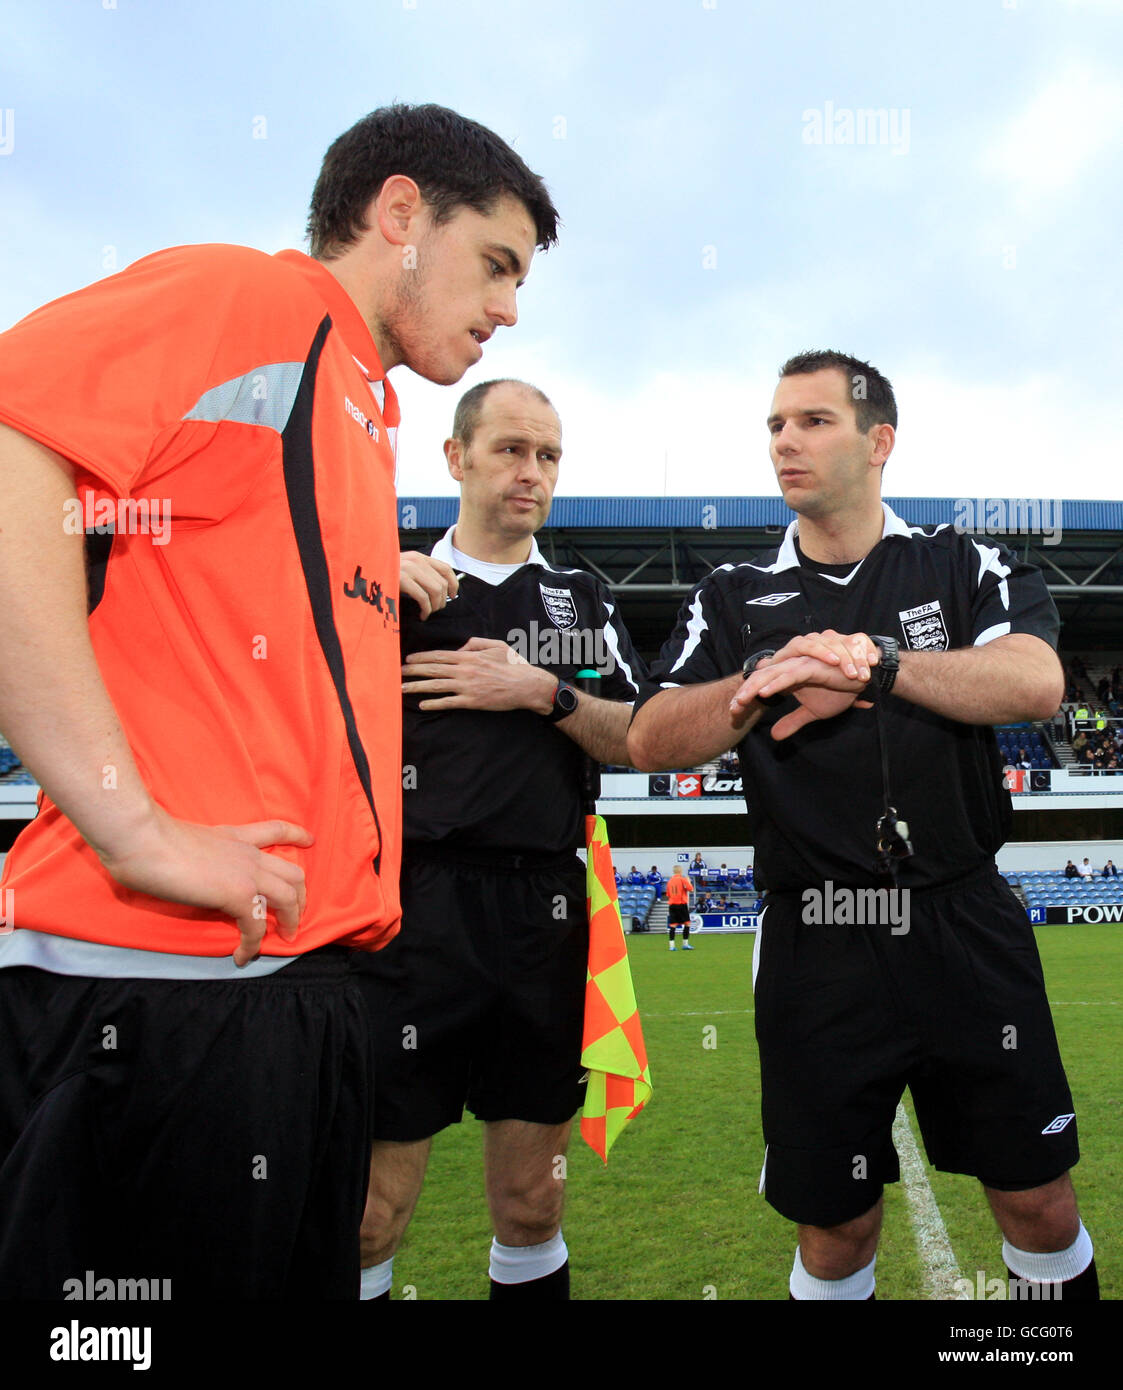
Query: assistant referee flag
{"points": [[613, 1050]]}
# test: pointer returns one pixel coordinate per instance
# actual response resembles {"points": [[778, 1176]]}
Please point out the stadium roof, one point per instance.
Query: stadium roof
{"points": [[652, 513], [652, 550]]}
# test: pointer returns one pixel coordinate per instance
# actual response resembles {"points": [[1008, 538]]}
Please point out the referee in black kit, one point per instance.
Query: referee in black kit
{"points": [[892, 952], [480, 999]]}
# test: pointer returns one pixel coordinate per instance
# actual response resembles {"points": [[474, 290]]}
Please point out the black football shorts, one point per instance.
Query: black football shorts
{"points": [[678, 914], [954, 1008], [210, 1135], [480, 999]]}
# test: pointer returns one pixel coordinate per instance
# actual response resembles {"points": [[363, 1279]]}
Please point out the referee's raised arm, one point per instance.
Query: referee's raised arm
{"points": [[684, 714], [688, 725]]}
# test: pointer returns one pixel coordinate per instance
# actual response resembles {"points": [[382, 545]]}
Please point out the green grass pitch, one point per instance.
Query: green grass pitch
{"points": [[676, 1214]]}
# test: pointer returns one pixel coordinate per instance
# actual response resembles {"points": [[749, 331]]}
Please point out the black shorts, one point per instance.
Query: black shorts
{"points": [[211, 1133], [480, 999], [678, 914], [955, 1009]]}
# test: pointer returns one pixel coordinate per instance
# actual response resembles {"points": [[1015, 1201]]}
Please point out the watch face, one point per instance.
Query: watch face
{"points": [[566, 699]]}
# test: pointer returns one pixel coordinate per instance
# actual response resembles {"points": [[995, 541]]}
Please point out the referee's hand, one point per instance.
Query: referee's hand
{"points": [[484, 673], [220, 867], [431, 583], [825, 672]]}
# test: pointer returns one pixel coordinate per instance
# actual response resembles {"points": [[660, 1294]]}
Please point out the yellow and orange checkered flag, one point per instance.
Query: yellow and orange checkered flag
{"points": [[613, 1050]]}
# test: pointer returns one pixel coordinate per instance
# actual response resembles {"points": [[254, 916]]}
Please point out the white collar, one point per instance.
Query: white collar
{"points": [[444, 547], [788, 558]]}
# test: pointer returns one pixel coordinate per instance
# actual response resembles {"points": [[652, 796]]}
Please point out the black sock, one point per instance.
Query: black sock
{"points": [[552, 1287]]}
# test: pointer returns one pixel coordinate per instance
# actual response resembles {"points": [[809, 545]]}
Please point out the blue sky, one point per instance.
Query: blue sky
{"points": [[723, 204]]}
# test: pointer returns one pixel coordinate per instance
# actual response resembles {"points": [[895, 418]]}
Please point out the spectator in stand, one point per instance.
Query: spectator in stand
{"points": [[1079, 740], [1085, 869], [636, 877], [655, 878], [1024, 759], [616, 876], [1110, 871], [698, 871], [721, 877], [1071, 870]]}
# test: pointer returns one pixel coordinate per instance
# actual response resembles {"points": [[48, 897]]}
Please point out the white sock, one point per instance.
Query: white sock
{"points": [[377, 1279], [519, 1264], [855, 1286], [1053, 1266]]}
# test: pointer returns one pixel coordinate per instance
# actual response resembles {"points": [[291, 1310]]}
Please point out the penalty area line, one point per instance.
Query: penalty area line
{"points": [[937, 1258]]}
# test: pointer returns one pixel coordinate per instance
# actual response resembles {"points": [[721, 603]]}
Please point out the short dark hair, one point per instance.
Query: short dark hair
{"points": [[455, 163], [467, 418], [874, 402]]}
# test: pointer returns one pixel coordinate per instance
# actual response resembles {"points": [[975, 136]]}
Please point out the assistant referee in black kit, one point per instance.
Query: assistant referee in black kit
{"points": [[479, 1001], [892, 952]]}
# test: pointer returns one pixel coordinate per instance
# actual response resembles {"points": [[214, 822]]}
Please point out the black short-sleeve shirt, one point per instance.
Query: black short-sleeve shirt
{"points": [[509, 780], [814, 799]]}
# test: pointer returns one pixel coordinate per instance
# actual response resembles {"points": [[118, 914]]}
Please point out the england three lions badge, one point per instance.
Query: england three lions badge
{"points": [[560, 606], [924, 628]]}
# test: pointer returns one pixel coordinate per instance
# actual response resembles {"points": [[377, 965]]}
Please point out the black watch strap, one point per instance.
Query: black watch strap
{"points": [[565, 702], [884, 674], [751, 663]]}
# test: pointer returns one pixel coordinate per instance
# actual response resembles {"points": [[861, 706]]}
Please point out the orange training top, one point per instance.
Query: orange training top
{"points": [[222, 408], [678, 890]]}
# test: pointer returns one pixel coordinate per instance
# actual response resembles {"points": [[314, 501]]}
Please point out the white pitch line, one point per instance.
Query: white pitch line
{"points": [[941, 1269]]}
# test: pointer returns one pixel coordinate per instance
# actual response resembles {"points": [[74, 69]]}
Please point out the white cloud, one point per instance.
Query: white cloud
{"points": [[704, 433], [1049, 145]]}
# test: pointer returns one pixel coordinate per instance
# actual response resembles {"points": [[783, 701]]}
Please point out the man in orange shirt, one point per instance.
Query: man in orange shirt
{"points": [[216, 722], [679, 893]]}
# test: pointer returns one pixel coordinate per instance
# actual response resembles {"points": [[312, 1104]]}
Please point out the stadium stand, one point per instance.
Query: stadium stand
{"points": [[636, 902], [1013, 738], [1049, 888], [12, 771]]}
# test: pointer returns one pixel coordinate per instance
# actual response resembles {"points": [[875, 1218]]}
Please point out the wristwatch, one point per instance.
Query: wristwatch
{"points": [[884, 673], [751, 663], [565, 702]]}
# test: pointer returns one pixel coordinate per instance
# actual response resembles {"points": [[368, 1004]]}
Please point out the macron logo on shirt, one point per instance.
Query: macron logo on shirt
{"points": [[361, 418]]}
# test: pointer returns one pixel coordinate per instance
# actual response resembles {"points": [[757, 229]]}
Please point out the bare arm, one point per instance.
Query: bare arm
{"points": [[57, 714], [1013, 678], [598, 726], [54, 709], [689, 725]]}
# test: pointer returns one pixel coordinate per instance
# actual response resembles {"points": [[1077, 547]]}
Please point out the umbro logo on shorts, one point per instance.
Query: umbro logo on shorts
{"points": [[771, 600], [1055, 1126]]}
